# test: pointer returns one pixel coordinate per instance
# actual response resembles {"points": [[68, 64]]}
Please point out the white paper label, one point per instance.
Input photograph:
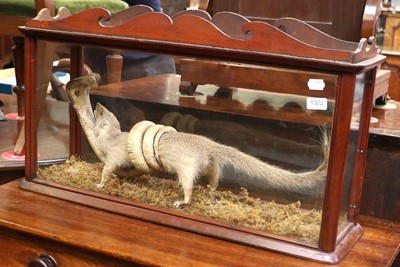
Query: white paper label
{"points": [[317, 103], [316, 84]]}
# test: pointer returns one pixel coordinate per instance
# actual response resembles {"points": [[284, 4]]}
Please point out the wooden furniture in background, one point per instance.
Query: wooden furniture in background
{"points": [[392, 64], [9, 25], [339, 18], [5, 50], [392, 31], [342, 19], [13, 15], [391, 49]]}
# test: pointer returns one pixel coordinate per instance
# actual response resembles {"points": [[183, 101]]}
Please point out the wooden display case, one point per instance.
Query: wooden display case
{"points": [[280, 84]]}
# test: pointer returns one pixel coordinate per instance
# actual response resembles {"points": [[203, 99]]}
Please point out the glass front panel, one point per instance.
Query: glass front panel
{"points": [[352, 148], [238, 144], [52, 106]]}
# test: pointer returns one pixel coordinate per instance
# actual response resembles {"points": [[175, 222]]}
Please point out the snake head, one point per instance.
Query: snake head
{"points": [[81, 85]]}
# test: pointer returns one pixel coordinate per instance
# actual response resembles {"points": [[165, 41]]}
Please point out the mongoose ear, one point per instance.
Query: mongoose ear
{"points": [[99, 106], [100, 109]]}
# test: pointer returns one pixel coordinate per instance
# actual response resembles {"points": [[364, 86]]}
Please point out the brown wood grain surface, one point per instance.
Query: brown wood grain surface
{"points": [[163, 89], [76, 229], [341, 19]]}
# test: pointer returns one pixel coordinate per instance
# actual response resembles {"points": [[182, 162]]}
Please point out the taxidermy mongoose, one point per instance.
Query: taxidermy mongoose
{"points": [[112, 143], [191, 156]]}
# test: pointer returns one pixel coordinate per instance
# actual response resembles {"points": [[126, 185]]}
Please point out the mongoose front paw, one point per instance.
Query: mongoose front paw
{"points": [[179, 204], [100, 185]]}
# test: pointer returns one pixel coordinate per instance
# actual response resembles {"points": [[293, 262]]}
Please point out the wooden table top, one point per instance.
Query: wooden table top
{"points": [[390, 50], [388, 123], [155, 245]]}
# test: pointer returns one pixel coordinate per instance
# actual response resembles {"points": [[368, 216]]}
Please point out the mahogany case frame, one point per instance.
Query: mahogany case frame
{"points": [[289, 43]]}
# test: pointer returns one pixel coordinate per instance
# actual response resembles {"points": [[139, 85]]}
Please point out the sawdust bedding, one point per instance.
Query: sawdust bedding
{"points": [[237, 209]]}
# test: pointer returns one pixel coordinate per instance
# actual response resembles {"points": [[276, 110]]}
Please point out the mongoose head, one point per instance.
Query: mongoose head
{"points": [[105, 120]]}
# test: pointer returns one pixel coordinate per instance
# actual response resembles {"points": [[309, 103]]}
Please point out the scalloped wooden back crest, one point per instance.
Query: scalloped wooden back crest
{"points": [[224, 31]]}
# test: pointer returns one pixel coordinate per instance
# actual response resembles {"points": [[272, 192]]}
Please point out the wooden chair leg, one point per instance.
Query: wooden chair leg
{"points": [[58, 90], [114, 67], [205, 5]]}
